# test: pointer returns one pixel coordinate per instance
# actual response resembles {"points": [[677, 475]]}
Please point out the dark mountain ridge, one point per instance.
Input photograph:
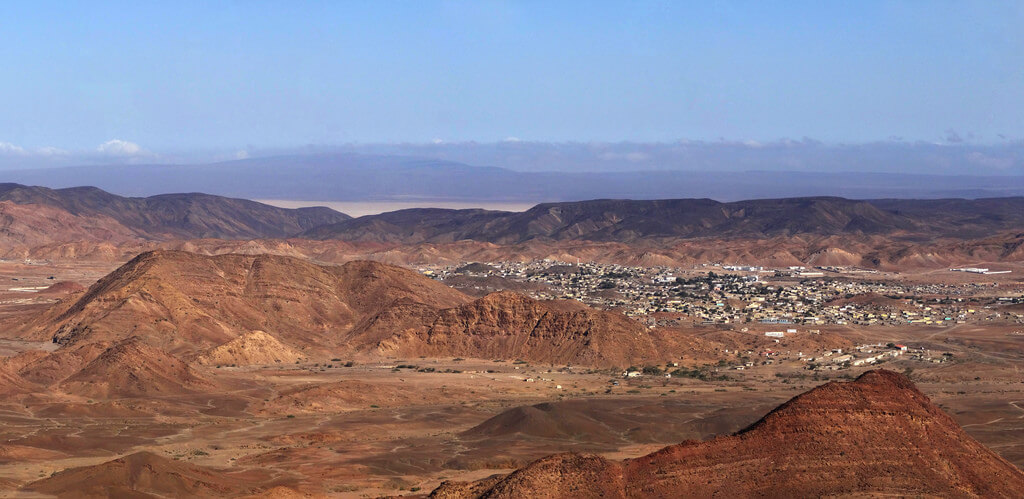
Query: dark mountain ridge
{"points": [[630, 220], [189, 215], [75, 213]]}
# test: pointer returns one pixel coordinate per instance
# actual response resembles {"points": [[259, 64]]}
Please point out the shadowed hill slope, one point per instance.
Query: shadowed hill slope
{"points": [[874, 436]]}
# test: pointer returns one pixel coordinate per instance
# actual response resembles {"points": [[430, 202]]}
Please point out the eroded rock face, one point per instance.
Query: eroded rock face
{"points": [[512, 326], [877, 435]]}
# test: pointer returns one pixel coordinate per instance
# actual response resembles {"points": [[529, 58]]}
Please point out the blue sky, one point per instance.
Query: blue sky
{"points": [[191, 76]]}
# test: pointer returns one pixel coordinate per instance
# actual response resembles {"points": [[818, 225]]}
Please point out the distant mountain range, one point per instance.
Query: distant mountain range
{"points": [[195, 216], [367, 177], [86, 222], [627, 220], [187, 216]]}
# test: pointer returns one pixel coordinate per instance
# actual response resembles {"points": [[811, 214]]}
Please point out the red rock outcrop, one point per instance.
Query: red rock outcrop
{"points": [[510, 325]]}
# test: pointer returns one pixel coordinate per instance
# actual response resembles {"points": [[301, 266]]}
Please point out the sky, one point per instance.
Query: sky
{"points": [[144, 79]]}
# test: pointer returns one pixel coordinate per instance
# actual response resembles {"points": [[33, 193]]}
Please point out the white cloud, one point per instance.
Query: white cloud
{"points": [[8, 148], [513, 139], [242, 154], [51, 151], [117, 147]]}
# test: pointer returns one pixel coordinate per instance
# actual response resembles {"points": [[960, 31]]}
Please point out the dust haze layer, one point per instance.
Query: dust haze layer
{"points": [[349, 176]]}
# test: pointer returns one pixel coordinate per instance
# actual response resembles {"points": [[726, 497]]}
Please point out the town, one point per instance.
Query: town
{"points": [[770, 303], [728, 294]]}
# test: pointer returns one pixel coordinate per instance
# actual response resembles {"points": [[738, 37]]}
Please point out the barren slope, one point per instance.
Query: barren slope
{"points": [[131, 368]]}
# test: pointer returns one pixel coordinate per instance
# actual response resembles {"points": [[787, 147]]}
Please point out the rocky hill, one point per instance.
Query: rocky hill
{"points": [[876, 436], [33, 225], [186, 303], [131, 368]]}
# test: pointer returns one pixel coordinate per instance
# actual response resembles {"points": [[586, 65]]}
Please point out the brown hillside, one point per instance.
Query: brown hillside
{"points": [[874, 436], [48, 368], [142, 474], [12, 384], [184, 302], [131, 368], [255, 348], [29, 225]]}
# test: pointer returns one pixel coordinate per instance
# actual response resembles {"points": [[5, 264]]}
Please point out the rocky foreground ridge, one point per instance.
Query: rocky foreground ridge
{"points": [[876, 436]]}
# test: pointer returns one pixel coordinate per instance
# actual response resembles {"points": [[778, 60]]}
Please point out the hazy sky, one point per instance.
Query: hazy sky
{"points": [[180, 76]]}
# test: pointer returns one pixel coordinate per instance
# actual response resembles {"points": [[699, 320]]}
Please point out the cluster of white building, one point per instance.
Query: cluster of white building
{"points": [[979, 270]]}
